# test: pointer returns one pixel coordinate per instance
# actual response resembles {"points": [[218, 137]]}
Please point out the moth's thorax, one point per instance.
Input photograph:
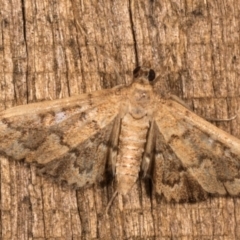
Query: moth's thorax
{"points": [[132, 141], [141, 99]]}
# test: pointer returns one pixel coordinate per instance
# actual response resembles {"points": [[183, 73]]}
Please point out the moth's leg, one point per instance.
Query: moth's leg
{"points": [[180, 101], [110, 202], [148, 153], [113, 150], [120, 202]]}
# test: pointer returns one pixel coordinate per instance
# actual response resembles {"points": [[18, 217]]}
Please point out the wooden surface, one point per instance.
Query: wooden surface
{"points": [[55, 49]]}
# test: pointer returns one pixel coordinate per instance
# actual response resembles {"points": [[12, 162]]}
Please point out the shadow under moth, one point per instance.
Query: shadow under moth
{"points": [[126, 130]]}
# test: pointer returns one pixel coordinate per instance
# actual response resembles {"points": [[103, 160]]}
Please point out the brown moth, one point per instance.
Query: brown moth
{"points": [[127, 129]]}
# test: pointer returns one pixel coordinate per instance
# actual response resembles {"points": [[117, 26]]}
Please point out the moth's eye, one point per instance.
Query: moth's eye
{"points": [[151, 75], [136, 71]]}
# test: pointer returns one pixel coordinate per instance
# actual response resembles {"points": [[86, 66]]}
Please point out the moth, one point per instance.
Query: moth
{"points": [[125, 131]]}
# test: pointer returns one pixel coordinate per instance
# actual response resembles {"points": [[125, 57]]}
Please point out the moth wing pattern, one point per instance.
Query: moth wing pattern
{"points": [[66, 138], [193, 158], [84, 164], [78, 138]]}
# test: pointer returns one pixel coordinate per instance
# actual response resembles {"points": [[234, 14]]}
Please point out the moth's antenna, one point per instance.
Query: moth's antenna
{"points": [[180, 101], [221, 119]]}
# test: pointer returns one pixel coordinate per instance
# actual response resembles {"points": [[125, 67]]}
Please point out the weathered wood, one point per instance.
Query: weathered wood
{"points": [[55, 49]]}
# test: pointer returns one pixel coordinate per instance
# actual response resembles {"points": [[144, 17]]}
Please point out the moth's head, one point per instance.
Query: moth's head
{"points": [[144, 78], [142, 85], [143, 75], [141, 93]]}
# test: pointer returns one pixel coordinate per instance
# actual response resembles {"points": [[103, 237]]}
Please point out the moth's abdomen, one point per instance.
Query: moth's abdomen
{"points": [[132, 141]]}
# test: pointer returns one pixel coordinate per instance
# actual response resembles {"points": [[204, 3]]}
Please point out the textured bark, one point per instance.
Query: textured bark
{"points": [[55, 49]]}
